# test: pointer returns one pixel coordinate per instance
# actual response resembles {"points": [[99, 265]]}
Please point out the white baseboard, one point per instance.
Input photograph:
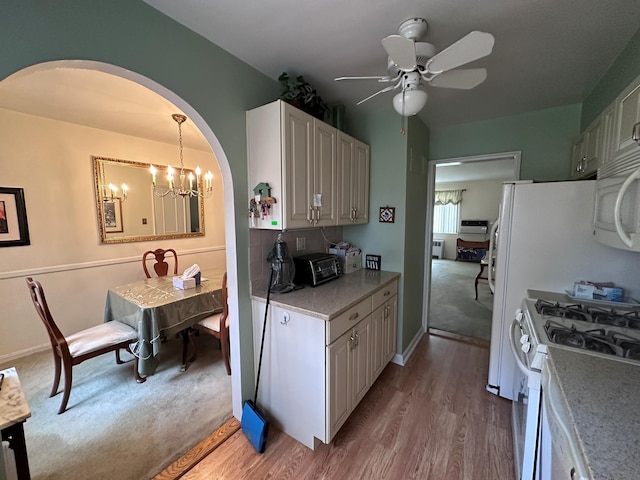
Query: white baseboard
{"points": [[402, 359], [23, 353]]}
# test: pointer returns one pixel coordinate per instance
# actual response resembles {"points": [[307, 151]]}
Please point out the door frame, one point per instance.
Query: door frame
{"points": [[516, 156]]}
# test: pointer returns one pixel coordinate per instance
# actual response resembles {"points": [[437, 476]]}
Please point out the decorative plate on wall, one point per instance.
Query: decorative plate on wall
{"points": [[387, 214]]}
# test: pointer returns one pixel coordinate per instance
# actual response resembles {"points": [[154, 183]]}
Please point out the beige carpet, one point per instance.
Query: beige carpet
{"points": [[115, 428], [453, 305]]}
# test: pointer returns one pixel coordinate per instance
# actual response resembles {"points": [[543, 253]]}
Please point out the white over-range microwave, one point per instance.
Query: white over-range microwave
{"points": [[617, 206], [617, 211]]}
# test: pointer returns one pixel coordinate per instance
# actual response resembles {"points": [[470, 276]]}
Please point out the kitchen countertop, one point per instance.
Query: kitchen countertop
{"points": [[603, 397], [330, 299]]}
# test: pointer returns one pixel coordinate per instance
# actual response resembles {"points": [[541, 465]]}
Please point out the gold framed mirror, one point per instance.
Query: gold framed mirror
{"points": [[134, 213]]}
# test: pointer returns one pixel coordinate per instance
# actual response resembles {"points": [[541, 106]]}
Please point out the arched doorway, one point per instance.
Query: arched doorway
{"points": [[223, 163]]}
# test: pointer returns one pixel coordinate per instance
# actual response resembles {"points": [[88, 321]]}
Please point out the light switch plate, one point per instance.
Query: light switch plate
{"points": [[301, 243]]}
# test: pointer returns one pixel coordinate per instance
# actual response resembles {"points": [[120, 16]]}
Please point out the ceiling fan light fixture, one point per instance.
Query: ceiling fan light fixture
{"points": [[414, 101]]}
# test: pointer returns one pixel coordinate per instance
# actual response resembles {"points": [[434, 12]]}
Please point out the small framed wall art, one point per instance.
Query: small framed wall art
{"points": [[14, 230], [387, 214], [113, 215]]}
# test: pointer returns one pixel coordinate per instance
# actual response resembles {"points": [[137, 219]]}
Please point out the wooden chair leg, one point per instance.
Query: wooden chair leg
{"points": [[68, 378], [118, 361], [56, 375], [224, 346]]}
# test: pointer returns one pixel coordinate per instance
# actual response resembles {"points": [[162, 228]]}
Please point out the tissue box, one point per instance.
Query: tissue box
{"points": [[596, 292], [183, 284]]}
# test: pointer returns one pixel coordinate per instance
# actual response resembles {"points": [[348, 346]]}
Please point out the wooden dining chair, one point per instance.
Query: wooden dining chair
{"points": [[161, 267], [82, 345], [218, 326]]}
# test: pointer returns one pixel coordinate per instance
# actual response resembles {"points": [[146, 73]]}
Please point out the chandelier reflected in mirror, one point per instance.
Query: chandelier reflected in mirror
{"points": [[180, 189]]}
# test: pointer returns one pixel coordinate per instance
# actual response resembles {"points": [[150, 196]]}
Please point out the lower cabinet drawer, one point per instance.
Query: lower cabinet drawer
{"points": [[384, 294], [347, 320]]}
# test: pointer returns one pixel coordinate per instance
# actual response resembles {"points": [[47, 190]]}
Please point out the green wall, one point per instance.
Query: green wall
{"points": [[415, 228], [132, 35], [545, 138], [386, 188], [401, 244], [618, 76]]}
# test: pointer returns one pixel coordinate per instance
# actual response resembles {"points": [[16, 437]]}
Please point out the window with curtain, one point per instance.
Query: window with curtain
{"points": [[446, 211]]}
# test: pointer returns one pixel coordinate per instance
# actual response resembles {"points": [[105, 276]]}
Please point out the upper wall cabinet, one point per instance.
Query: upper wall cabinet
{"points": [[296, 155], [587, 151], [353, 181], [621, 133]]}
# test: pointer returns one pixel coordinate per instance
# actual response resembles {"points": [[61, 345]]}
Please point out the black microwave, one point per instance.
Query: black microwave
{"points": [[315, 268]]}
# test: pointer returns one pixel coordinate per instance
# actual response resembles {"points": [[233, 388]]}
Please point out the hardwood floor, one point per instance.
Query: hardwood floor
{"points": [[431, 419]]}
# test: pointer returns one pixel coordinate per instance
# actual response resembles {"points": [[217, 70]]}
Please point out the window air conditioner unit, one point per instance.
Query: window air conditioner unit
{"points": [[474, 226]]}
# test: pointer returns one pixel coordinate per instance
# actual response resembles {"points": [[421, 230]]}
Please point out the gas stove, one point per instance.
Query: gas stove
{"points": [[589, 313], [607, 331]]}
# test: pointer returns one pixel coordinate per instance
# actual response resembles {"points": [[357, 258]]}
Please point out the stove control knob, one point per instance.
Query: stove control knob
{"points": [[524, 338], [519, 314], [526, 347]]}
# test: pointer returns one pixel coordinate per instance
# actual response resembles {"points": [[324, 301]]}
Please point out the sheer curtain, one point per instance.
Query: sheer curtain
{"points": [[446, 212]]}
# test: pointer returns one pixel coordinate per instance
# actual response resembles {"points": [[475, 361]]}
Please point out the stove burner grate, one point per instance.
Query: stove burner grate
{"points": [[571, 312], [595, 340]]}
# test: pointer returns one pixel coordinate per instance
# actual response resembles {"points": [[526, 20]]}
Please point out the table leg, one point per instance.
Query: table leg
{"points": [[15, 436], [187, 337]]}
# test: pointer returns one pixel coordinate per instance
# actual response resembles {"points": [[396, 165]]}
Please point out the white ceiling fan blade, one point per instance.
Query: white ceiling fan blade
{"points": [[402, 51], [386, 89], [380, 78], [469, 48], [462, 79]]}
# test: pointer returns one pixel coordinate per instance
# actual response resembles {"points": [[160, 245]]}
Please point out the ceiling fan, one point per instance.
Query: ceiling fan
{"points": [[412, 62]]}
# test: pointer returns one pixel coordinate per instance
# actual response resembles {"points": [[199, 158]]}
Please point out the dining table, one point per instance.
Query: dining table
{"points": [[157, 309]]}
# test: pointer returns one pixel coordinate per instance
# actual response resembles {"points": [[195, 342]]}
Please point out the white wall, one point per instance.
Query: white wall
{"points": [[51, 160], [480, 201]]}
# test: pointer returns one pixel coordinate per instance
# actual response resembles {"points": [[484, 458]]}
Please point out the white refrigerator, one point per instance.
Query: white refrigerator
{"points": [[545, 241]]}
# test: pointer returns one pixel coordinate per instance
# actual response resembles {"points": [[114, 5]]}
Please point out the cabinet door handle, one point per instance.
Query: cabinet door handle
{"points": [[354, 316], [310, 219], [387, 293], [357, 339], [352, 341], [635, 134]]}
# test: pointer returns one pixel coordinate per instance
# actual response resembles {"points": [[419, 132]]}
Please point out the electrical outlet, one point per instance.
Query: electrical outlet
{"points": [[301, 243]]}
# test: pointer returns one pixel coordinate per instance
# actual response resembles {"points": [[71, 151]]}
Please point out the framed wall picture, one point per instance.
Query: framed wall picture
{"points": [[14, 230], [387, 214], [112, 209]]}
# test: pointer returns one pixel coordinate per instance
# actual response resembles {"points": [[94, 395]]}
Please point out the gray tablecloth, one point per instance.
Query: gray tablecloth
{"points": [[154, 306]]}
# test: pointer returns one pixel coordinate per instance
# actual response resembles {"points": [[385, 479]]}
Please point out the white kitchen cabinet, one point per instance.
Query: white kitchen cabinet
{"points": [[383, 328], [353, 180], [349, 374], [322, 181], [627, 124], [297, 156], [621, 125], [607, 129], [587, 151], [315, 371]]}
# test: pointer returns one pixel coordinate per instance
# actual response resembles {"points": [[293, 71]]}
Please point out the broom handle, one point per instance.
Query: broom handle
{"points": [[264, 328]]}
